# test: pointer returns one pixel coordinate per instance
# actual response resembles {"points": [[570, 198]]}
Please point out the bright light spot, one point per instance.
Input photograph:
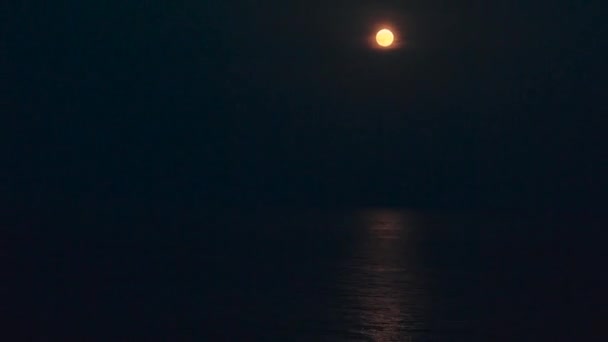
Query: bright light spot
{"points": [[385, 38]]}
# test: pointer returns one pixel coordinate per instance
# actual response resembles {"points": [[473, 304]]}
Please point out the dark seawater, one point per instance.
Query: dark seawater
{"points": [[342, 275]]}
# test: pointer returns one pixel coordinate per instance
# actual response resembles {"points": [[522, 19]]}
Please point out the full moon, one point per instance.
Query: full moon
{"points": [[385, 38]]}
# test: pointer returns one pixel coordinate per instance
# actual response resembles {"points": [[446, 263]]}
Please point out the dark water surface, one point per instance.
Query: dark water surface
{"points": [[343, 275]]}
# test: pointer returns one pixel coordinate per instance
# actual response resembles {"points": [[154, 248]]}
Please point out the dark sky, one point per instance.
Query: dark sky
{"points": [[182, 104]]}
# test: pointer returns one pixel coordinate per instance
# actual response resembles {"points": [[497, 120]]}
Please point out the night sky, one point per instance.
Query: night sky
{"points": [[177, 105]]}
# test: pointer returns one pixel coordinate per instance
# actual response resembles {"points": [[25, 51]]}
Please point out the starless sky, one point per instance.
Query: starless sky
{"points": [[184, 103]]}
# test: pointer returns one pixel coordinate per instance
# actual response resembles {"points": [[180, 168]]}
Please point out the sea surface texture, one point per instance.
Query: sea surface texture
{"points": [[319, 275]]}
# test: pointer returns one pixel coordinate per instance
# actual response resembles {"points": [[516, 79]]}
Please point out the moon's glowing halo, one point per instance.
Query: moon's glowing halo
{"points": [[385, 37], [372, 40]]}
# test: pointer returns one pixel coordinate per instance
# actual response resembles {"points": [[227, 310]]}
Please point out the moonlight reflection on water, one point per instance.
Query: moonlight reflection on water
{"points": [[381, 284]]}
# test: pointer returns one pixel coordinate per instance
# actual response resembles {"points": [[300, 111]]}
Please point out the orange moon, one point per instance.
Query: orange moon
{"points": [[385, 38]]}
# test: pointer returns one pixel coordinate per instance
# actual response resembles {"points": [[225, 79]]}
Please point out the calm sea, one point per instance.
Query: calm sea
{"points": [[310, 275]]}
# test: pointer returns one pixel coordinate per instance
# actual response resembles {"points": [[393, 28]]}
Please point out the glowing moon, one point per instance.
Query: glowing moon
{"points": [[385, 38]]}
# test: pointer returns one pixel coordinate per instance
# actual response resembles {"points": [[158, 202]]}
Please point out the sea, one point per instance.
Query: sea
{"points": [[276, 274]]}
